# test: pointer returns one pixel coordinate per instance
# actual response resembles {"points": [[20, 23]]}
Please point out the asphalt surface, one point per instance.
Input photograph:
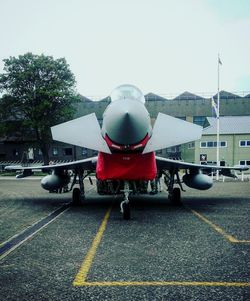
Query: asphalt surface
{"points": [[199, 251]]}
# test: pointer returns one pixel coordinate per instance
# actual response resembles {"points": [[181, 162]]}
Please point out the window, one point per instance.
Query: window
{"points": [[223, 143], [244, 143], [84, 151], [244, 162], [68, 151], [211, 162], [174, 149], [191, 145], [210, 144], [15, 152], [200, 120]]}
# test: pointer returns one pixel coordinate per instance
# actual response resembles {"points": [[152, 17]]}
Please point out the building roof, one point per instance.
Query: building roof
{"points": [[229, 125], [183, 96], [154, 97], [226, 95], [187, 95]]}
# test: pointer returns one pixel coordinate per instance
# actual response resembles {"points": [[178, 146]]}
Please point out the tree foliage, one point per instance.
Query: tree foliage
{"points": [[39, 93]]}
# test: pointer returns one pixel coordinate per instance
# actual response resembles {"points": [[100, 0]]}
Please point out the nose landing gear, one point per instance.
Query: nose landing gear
{"points": [[125, 206]]}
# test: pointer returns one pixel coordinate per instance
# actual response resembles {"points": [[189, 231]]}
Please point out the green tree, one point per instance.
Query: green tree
{"points": [[39, 93]]}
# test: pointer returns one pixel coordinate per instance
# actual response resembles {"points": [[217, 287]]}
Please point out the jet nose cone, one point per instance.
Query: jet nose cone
{"points": [[126, 122]]}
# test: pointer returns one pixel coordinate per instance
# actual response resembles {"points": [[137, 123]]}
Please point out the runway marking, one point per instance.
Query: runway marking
{"points": [[17, 240], [81, 277], [85, 267], [163, 283], [218, 229]]}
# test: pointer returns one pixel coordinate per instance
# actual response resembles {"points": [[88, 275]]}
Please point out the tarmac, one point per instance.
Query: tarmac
{"points": [[197, 251]]}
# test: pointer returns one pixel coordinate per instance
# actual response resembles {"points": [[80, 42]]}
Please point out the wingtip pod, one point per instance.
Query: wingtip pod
{"points": [[84, 131], [170, 131]]}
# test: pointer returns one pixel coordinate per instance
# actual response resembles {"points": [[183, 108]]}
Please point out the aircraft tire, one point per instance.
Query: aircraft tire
{"points": [[126, 211], [76, 197], [176, 197]]}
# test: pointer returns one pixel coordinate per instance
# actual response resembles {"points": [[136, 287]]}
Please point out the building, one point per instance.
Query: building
{"points": [[234, 142]]}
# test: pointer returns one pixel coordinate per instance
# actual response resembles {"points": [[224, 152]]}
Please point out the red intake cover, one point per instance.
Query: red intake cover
{"points": [[126, 166]]}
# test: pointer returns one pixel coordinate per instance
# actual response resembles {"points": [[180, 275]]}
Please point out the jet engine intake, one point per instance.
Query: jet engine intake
{"points": [[198, 181], [54, 181]]}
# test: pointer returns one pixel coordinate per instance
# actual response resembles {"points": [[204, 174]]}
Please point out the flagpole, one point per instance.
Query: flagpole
{"points": [[218, 120]]}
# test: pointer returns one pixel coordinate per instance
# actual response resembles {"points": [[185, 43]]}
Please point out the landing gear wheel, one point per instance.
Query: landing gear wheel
{"points": [[126, 211], [176, 196], [76, 197]]}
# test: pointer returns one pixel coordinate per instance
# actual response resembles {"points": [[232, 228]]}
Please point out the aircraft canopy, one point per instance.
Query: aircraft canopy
{"points": [[127, 92]]}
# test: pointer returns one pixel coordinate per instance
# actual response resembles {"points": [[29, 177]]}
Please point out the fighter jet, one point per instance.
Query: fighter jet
{"points": [[126, 144]]}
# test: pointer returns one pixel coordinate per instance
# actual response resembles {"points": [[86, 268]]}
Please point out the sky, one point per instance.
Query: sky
{"points": [[161, 46]]}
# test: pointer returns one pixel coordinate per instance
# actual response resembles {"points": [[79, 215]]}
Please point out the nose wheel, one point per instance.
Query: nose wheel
{"points": [[125, 206], [125, 209]]}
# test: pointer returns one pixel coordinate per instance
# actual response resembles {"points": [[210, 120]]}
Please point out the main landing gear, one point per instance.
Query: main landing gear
{"points": [[174, 193], [175, 196], [78, 194], [125, 207], [76, 197]]}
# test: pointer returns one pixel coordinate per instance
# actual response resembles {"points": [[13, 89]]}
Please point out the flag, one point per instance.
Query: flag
{"points": [[219, 61], [214, 106]]}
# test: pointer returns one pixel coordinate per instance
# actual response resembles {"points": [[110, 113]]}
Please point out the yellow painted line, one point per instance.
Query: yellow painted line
{"points": [[243, 241], [229, 237], [86, 265], [80, 279], [163, 283]]}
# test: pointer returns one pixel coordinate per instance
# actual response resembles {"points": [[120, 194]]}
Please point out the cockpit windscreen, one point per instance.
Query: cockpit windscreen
{"points": [[127, 92]]}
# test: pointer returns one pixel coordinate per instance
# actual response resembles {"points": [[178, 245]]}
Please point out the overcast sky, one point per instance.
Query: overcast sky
{"points": [[161, 46]]}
